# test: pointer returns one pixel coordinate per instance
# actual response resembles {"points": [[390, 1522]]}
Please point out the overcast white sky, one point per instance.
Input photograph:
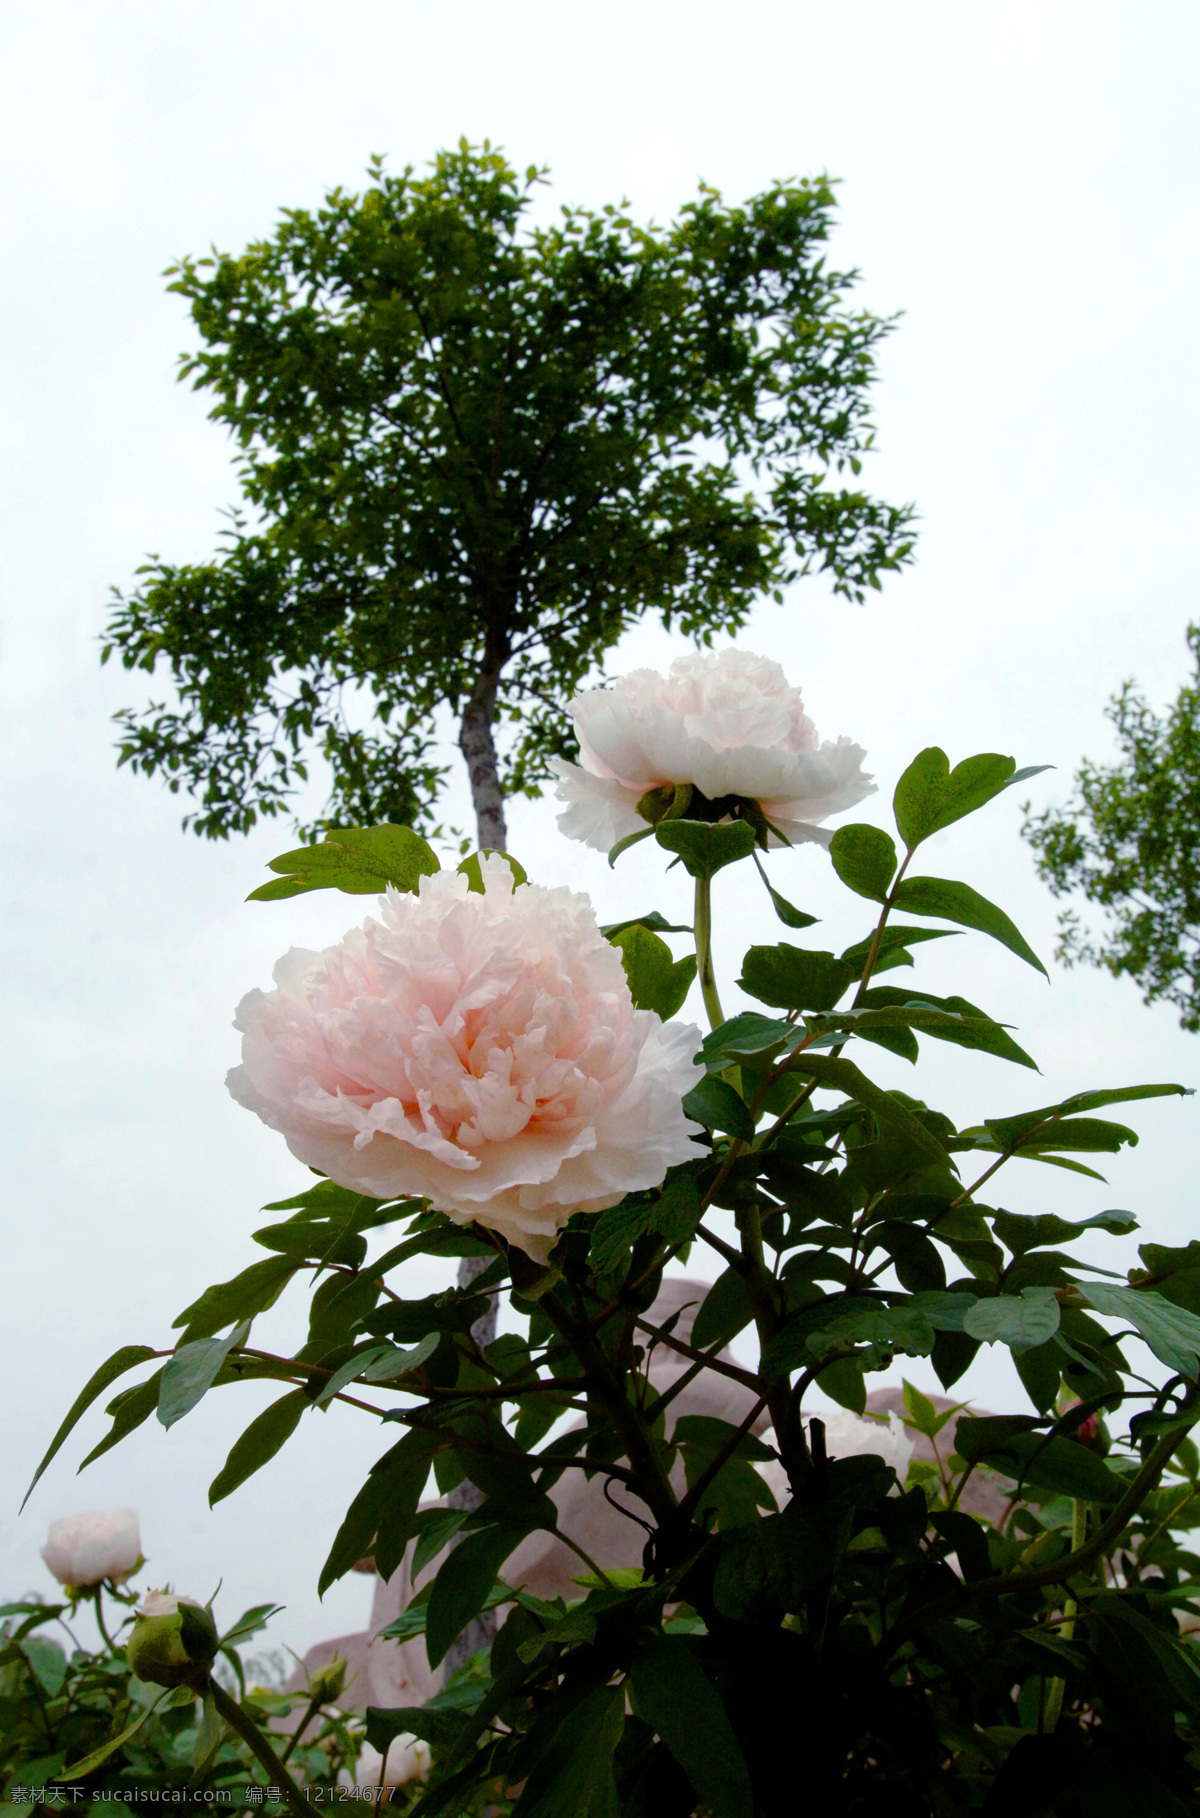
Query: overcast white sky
{"points": [[1019, 177]]}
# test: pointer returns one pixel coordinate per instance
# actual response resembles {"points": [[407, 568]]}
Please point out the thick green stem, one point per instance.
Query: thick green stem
{"points": [[259, 1747], [704, 963]]}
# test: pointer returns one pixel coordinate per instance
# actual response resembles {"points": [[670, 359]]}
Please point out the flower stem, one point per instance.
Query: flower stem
{"points": [[109, 1643], [704, 964], [256, 1742], [1052, 1709]]}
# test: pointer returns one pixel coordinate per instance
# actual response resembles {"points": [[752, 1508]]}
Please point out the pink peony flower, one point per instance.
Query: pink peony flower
{"points": [[729, 724], [82, 1549], [480, 1051]]}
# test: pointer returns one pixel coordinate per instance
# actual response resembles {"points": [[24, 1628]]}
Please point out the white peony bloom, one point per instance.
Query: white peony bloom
{"points": [[82, 1549], [407, 1759], [848, 1436], [481, 1051], [726, 722]]}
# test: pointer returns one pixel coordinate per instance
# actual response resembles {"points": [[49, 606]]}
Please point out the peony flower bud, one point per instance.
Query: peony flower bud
{"points": [[328, 1683], [81, 1550], [174, 1640], [478, 1050], [728, 724]]}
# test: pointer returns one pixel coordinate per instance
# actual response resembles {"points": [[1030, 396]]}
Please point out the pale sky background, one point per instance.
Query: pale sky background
{"points": [[1020, 178]]}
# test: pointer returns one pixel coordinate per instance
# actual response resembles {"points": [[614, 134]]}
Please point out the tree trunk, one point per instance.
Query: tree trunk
{"points": [[479, 749]]}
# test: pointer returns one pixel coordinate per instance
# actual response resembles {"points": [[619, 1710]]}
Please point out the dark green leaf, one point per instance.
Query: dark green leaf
{"points": [[748, 1033], [706, 847], [844, 1076], [1021, 1232], [128, 1411], [437, 1727], [359, 860], [724, 1312], [657, 923], [864, 857], [231, 1302], [789, 915], [573, 1775], [1012, 1445], [464, 1581], [656, 981], [930, 796], [127, 1358], [955, 902], [672, 1694], [892, 948], [260, 1442], [716, 1105], [89, 1763], [795, 978]]}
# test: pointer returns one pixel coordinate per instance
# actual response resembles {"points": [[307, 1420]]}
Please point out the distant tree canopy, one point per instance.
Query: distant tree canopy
{"points": [[1130, 842], [473, 451]]}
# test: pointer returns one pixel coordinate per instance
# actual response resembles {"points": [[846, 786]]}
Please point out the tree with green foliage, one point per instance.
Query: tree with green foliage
{"points": [[1129, 840], [472, 452]]}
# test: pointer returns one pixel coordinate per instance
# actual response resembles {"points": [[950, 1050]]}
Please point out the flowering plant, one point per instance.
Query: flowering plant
{"points": [[796, 1616]]}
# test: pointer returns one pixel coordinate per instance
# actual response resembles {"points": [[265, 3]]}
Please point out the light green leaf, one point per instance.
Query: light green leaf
{"points": [[657, 981], [472, 871], [362, 861], [1018, 1321], [901, 1328], [864, 857], [844, 1076], [930, 796], [379, 1363], [789, 915], [954, 902], [190, 1372], [747, 1033], [1171, 1332]]}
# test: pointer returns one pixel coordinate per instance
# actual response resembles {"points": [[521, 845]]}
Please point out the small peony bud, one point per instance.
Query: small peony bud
{"points": [[328, 1683], [82, 1550], [174, 1640]]}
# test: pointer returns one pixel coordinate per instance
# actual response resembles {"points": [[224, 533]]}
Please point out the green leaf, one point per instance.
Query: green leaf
{"points": [[968, 1027], [864, 857], [473, 872], [672, 1694], [1022, 1232], [747, 1033], [122, 1361], [190, 1372], [1171, 1332], [930, 796], [1020, 1322], [89, 1763], [231, 1302], [378, 1363], [439, 1728], [795, 978], [656, 981], [461, 1587], [653, 920], [724, 1312], [789, 915], [716, 1105], [922, 1413], [573, 1776], [1012, 1445], [706, 847], [631, 839], [306, 1241], [259, 1443], [249, 1623], [944, 1308], [893, 947], [845, 1323], [128, 1411], [359, 860], [845, 1077], [954, 902]]}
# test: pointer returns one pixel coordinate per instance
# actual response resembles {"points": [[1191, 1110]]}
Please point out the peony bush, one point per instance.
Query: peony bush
{"points": [[793, 1605]]}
